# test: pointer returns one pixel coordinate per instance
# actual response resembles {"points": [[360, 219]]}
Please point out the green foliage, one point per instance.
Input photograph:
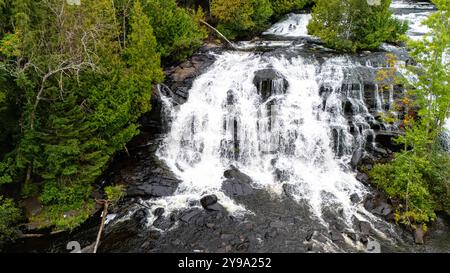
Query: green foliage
{"points": [[115, 193], [239, 18], [353, 25], [75, 101], [9, 216], [419, 176], [281, 7], [177, 30]]}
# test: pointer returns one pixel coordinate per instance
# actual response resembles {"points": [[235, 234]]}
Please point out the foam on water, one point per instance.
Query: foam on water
{"points": [[293, 26], [287, 133], [414, 14]]}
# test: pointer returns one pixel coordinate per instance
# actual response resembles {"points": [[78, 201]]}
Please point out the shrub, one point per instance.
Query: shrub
{"points": [[239, 18], [352, 25], [281, 7], [176, 29], [9, 216]]}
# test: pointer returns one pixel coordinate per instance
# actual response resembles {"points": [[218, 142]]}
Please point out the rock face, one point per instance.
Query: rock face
{"points": [[380, 206], [180, 78], [236, 183], [270, 82]]}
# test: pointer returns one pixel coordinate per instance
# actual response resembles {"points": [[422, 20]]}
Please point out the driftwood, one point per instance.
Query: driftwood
{"points": [[105, 204], [229, 44]]}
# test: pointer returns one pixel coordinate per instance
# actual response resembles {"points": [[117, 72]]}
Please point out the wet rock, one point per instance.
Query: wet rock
{"points": [[237, 183], [383, 209], [159, 188], [154, 234], [269, 82], [209, 202], [188, 215], [158, 212], [310, 235], [352, 236], [163, 223], [355, 198], [419, 234], [364, 227], [364, 239], [336, 236], [140, 216], [356, 157], [386, 140], [363, 178]]}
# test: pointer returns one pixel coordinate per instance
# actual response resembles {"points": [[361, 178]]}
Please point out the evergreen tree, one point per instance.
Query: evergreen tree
{"points": [[353, 25]]}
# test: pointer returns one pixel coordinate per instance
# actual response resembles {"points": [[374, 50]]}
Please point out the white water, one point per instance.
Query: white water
{"points": [[304, 136], [293, 26], [200, 145], [414, 14]]}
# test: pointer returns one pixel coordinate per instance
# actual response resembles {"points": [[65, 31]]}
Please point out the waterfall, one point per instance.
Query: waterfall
{"points": [[289, 119], [293, 26], [296, 126]]}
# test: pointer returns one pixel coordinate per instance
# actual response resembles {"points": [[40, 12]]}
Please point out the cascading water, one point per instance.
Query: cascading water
{"points": [[291, 122], [293, 26], [228, 121]]}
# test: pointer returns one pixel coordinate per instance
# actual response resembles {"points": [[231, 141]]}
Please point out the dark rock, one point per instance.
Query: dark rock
{"points": [[163, 223], [355, 198], [237, 183], [140, 216], [369, 203], [158, 212], [352, 236], [383, 209], [158, 188], [265, 81], [154, 235], [356, 157], [209, 202], [188, 215], [310, 235], [365, 227], [363, 178], [336, 236], [386, 140], [364, 239]]}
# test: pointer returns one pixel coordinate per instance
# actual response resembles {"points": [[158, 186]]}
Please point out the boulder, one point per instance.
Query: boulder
{"points": [[269, 82], [356, 157], [355, 198], [237, 183], [209, 202], [364, 227], [158, 188]]}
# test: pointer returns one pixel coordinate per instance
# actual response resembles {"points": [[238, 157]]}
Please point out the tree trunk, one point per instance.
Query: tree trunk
{"points": [[99, 235]]}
